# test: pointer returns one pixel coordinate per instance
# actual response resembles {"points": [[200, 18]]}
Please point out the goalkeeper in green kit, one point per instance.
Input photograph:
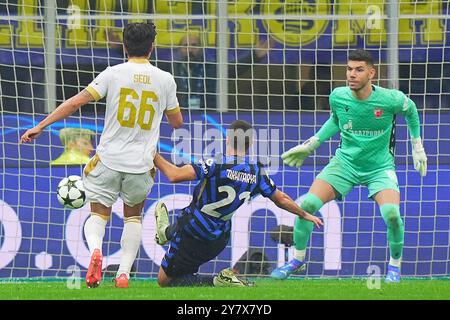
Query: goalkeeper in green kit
{"points": [[364, 114]]}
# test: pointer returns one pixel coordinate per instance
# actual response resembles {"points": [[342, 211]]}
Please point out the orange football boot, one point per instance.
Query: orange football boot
{"points": [[121, 281], [94, 273]]}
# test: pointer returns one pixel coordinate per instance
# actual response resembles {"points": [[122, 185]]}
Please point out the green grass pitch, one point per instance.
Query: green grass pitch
{"points": [[265, 289]]}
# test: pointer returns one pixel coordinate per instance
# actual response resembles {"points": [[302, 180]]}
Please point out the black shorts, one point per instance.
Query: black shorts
{"points": [[186, 253]]}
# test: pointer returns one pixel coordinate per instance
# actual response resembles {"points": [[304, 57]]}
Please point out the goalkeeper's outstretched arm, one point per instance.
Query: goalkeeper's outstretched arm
{"points": [[409, 110], [295, 156]]}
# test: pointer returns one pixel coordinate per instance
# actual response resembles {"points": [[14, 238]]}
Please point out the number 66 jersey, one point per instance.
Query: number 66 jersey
{"points": [[137, 96]]}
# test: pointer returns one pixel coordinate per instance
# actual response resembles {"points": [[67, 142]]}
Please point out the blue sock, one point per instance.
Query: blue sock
{"points": [[192, 280]]}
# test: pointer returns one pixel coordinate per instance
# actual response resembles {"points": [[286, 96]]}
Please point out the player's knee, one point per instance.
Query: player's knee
{"points": [[311, 203], [391, 215]]}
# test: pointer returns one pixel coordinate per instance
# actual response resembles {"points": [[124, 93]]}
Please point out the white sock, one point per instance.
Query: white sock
{"points": [[395, 262], [300, 255], [94, 231], [130, 243]]}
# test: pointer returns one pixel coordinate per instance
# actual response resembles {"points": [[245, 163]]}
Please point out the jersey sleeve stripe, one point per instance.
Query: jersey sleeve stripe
{"points": [[91, 165], [93, 92], [173, 111]]}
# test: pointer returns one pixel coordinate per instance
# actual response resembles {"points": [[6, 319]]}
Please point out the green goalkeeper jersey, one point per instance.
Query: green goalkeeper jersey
{"points": [[368, 126]]}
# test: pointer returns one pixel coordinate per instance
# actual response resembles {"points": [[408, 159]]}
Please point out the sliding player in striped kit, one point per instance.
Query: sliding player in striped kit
{"points": [[364, 114], [137, 96], [202, 229]]}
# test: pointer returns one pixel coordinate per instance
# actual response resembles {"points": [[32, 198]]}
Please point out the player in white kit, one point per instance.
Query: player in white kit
{"points": [[138, 94]]}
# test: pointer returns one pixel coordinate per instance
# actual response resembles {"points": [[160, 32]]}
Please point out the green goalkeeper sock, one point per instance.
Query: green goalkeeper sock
{"points": [[303, 228], [395, 229]]}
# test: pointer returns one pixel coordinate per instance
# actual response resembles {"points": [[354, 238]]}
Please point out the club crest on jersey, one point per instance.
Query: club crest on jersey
{"points": [[378, 113]]}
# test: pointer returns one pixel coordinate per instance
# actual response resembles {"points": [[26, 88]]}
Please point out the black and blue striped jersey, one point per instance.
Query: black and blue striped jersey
{"points": [[225, 184]]}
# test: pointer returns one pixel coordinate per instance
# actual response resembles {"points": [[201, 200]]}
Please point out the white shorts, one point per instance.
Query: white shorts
{"points": [[105, 185]]}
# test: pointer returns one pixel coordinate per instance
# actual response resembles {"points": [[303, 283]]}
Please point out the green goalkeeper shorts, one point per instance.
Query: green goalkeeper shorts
{"points": [[343, 178]]}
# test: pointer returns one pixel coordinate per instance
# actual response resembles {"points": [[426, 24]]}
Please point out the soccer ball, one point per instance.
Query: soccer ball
{"points": [[71, 193]]}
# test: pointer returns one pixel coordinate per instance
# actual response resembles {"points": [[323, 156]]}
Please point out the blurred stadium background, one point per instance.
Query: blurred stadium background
{"points": [[270, 62]]}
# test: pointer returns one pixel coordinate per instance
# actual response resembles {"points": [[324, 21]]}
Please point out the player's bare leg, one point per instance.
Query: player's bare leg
{"points": [[130, 242], [323, 190], [389, 202], [320, 193], [94, 231]]}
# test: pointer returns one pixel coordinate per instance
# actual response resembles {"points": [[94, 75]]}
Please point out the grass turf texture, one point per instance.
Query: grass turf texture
{"points": [[266, 289]]}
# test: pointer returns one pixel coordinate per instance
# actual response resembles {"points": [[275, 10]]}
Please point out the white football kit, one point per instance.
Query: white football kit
{"points": [[138, 94]]}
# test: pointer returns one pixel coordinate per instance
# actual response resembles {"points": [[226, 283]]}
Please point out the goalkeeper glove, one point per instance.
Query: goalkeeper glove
{"points": [[419, 156], [295, 156]]}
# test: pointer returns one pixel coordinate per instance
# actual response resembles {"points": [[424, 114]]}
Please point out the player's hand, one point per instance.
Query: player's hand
{"points": [[31, 134], [309, 217], [295, 156], [419, 156]]}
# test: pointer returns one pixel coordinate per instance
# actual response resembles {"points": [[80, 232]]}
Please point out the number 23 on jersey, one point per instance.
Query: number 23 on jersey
{"points": [[128, 111]]}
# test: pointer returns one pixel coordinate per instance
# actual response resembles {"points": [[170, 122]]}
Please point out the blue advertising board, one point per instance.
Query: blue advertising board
{"points": [[38, 237]]}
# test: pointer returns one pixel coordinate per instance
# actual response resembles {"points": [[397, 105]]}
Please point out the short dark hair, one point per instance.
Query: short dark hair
{"points": [[138, 38], [361, 55], [240, 134]]}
